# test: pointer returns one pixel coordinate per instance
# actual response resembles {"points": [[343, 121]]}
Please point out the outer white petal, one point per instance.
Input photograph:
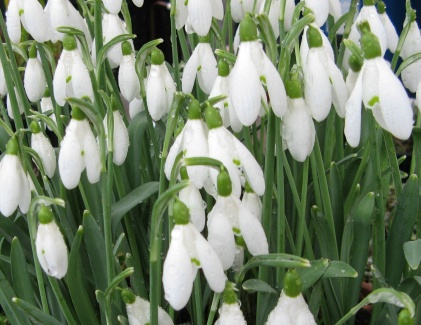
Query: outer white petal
{"points": [[92, 155], [289, 11], [81, 81], [135, 107], [181, 14], [13, 21], [138, 3], [43, 147], [121, 139], [70, 160], [220, 235], [36, 21], [172, 154], [219, 90], [411, 76], [3, 86], [59, 82], [9, 105], [252, 202], [353, 113], [190, 71], [34, 80], [191, 197], [231, 315], [394, 103], [317, 87], [320, 10], [245, 86], [51, 250], [339, 89], [113, 6], [335, 9], [127, 78], [304, 46], [273, 16], [217, 9], [27, 187], [391, 34], [291, 311], [208, 71], [412, 43], [169, 84], [200, 15], [58, 14], [155, 93], [178, 274], [11, 184], [139, 313], [351, 79], [370, 83], [252, 232], [210, 263], [237, 11]]}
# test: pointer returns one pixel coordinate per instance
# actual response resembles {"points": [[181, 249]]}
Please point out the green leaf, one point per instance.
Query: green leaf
{"points": [[412, 251], [20, 276], [118, 278], [338, 269], [337, 199], [118, 39], [310, 276], [36, 315], [254, 285]]}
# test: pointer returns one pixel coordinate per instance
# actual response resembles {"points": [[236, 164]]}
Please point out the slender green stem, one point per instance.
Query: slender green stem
{"points": [[174, 47]]}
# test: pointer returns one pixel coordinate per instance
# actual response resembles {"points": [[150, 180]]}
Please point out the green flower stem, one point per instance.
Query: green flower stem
{"points": [[183, 44], [302, 224], [68, 313], [247, 140], [126, 15], [6, 126], [174, 47], [98, 26], [214, 306]]}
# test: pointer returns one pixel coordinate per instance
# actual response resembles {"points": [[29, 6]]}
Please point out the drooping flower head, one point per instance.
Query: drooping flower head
{"points": [[230, 312], [42, 146], [128, 80], [34, 80]]}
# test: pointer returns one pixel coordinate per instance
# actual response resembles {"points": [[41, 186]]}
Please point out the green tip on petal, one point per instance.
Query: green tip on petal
{"points": [[405, 318], [248, 188], [194, 112], [114, 104], [157, 57], [78, 114], [381, 7], [181, 213], [293, 89], [32, 51], [223, 68], [12, 147], [35, 127], [126, 48], [69, 42], [45, 216], [370, 45], [47, 92], [354, 63], [314, 38], [292, 283], [204, 39], [248, 30], [183, 173], [364, 27], [213, 118], [224, 183], [229, 296], [128, 296], [368, 2], [239, 241]]}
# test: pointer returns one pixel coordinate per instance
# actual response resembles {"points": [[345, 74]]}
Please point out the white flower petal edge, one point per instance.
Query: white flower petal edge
{"points": [[13, 21], [120, 138], [128, 81], [190, 71], [92, 155], [113, 6], [36, 21], [391, 34]]}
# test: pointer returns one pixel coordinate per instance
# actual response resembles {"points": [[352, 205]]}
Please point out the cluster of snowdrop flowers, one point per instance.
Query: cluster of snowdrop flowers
{"points": [[50, 246], [230, 312], [380, 90], [15, 188]]}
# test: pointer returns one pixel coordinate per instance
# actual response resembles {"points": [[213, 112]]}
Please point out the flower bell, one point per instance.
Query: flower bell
{"points": [[252, 202], [202, 63], [188, 251], [291, 307], [43, 147], [381, 91], [391, 34], [138, 310], [113, 6], [320, 9], [239, 8], [79, 149], [135, 107], [51, 248], [128, 80], [47, 105], [411, 75], [71, 78], [34, 80], [9, 104], [15, 189], [253, 66], [230, 312], [230, 218], [160, 86]]}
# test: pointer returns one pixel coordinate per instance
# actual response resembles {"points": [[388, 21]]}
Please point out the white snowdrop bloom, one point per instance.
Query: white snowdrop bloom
{"points": [[230, 217], [51, 248], [323, 81], [138, 3], [188, 251], [47, 106], [42, 146], [335, 9], [320, 9], [200, 13], [128, 80], [34, 80], [202, 63], [138, 310], [9, 104], [135, 107], [230, 312], [192, 141], [252, 202], [411, 76], [239, 8], [380, 90], [160, 87], [298, 131], [3, 85], [71, 78], [221, 88], [15, 189], [79, 149], [274, 14], [391, 34], [113, 6], [181, 13], [225, 147], [253, 66], [120, 138], [13, 20]]}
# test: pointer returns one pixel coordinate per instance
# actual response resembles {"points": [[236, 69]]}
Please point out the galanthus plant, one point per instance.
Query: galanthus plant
{"points": [[258, 164]]}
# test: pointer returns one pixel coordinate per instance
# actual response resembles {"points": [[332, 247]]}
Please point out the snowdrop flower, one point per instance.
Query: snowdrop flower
{"points": [[252, 66], [202, 63], [335, 9], [160, 86], [138, 310], [138, 3], [291, 307], [50, 245], [226, 148], [120, 137], [9, 104], [128, 80], [228, 218], [274, 14], [188, 251], [323, 81], [200, 13], [43, 147], [47, 106], [320, 9], [380, 90], [391, 34], [3, 85], [79, 149], [15, 189], [34, 80], [239, 8], [113, 6], [411, 76], [135, 107], [71, 78], [252, 202], [230, 312], [192, 141], [221, 88], [298, 131]]}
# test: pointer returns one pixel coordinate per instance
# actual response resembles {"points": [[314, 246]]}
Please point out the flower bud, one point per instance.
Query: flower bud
{"points": [[194, 112]]}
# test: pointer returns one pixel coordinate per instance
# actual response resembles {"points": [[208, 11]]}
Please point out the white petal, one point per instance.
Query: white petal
{"points": [[237, 11], [252, 202], [411, 76], [11, 184], [353, 113], [34, 80], [351, 79], [36, 21], [172, 154], [91, 155], [51, 250], [252, 232], [370, 83], [412, 43], [13, 21], [191, 197], [155, 94], [391, 34], [190, 71], [121, 139], [217, 9], [81, 81], [43, 147], [59, 82], [231, 315], [127, 78], [370, 14], [335, 9], [70, 160], [274, 12], [289, 11], [113, 6], [320, 10], [3, 85], [200, 15], [27, 187], [207, 72], [135, 107], [339, 90], [138, 3], [169, 84], [178, 274], [181, 14]]}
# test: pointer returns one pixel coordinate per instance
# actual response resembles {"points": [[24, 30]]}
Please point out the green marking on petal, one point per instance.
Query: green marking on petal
{"points": [[82, 153], [199, 68], [373, 101], [195, 261], [236, 231], [236, 162], [21, 12], [68, 79], [263, 79]]}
